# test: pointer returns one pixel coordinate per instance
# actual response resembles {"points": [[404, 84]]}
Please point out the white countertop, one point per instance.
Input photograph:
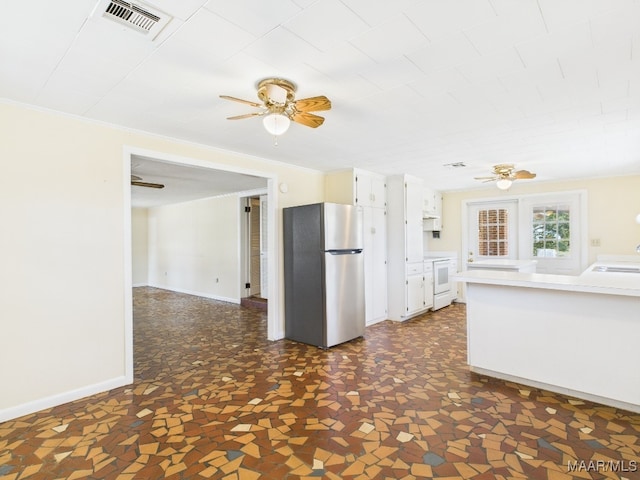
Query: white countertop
{"points": [[502, 263], [591, 282]]}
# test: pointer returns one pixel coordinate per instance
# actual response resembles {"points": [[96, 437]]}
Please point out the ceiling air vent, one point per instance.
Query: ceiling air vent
{"points": [[137, 16]]}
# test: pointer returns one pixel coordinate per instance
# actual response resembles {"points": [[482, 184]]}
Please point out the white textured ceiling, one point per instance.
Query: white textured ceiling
{"points": [[552, 86]]}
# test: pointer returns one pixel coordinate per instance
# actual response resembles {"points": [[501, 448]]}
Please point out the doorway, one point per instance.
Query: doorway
{"points": [[268, 184], [255, 248]]}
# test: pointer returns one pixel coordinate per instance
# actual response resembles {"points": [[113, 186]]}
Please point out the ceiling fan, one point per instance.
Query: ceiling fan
{"points": [[279, 106], [137, 181], [505, 174]]}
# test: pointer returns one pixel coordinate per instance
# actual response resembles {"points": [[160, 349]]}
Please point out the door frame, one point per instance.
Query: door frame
{"points": [[245, 239], [513, 206], [273, 313]]}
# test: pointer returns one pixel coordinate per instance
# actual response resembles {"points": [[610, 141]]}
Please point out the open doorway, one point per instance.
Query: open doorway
{"points": [[255, 250], [175, 173]]}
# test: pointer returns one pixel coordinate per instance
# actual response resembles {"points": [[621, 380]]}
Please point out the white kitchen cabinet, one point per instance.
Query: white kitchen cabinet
{"points": [[367, 189], [428, 284], [370, 190], [404, 246], [356, 187], [431, 203], [375, 264], [415, 294]]}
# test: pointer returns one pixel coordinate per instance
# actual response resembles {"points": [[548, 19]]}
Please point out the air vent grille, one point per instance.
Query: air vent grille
{"points": [[140, 18]]}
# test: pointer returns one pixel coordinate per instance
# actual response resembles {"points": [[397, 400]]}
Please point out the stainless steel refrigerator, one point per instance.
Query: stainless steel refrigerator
{"points": [[323, 273]]}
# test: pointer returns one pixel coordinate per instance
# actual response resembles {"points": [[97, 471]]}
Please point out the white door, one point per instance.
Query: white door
{"points": [[492, 231], [255, 246], [264, 211]]}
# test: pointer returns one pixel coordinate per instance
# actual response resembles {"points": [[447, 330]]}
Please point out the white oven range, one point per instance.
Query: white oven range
{"points": [[441, 282]]}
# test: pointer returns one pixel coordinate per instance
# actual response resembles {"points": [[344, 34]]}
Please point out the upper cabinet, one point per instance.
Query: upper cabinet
{"points": [[432, 209], [356, 187], [431, 203], [371, 189]]}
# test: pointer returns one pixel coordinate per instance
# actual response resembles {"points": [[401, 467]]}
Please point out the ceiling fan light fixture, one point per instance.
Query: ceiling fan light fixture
{"points": [[276, 123], [504, 184]]}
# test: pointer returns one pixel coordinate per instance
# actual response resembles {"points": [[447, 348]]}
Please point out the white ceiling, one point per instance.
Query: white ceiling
{"points": [[184, 183], [552, 86]]}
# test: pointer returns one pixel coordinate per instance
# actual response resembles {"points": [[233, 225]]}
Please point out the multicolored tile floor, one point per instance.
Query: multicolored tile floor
{"points": [[213, 398]]}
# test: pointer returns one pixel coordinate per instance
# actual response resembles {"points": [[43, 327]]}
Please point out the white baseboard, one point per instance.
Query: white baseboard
{"points": [[61, 398], [196, 293]]}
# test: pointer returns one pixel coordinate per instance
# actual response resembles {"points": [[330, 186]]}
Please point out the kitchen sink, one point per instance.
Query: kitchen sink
{"points": [[605, 268]]}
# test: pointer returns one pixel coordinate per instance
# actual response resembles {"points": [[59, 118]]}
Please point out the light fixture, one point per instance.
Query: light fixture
{"points": [[276, 123], [504, 184]]}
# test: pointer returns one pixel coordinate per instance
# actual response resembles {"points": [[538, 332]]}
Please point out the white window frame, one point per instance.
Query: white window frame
{"points": [[577, 199], [576, 262]]}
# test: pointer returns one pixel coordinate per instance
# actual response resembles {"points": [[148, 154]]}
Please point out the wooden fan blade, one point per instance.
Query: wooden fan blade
{"points": [[487, 179], [246, 102], [147, 184], [313, 104], [524, 174], [308, 119], [246, 115]]}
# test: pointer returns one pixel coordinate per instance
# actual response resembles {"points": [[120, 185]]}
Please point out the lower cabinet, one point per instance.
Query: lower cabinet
{"points": [[415, 294], [428, 284]]}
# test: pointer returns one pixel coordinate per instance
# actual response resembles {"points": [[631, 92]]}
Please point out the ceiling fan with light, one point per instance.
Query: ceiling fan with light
{"points": [[137, 181], [505, 174], [279, 106]]}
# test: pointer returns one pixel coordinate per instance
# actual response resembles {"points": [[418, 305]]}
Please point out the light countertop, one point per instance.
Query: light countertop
{"points": [[627, 284], [502, 263]]}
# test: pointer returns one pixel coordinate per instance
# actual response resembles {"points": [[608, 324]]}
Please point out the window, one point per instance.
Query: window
{"points": [[551, 225], [493, 232]]}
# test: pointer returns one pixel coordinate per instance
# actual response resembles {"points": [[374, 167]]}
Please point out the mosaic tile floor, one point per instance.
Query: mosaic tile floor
{"points": [[213, 398]]}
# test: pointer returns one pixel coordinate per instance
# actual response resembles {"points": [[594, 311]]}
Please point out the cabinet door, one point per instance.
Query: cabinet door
{"points": [[362, 189], [428, 202], [413, 212], [413, 201], [415, 293], [371, 190], [378, 192], [379, 264], [428, 286], [375, 265], [369, 261]]}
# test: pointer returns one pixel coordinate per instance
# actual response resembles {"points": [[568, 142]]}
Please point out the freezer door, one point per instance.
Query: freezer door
{"points": [[344, 297], [343, 226]]}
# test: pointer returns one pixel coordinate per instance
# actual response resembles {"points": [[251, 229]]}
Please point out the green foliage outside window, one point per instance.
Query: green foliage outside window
{"points": [[551, 231]]}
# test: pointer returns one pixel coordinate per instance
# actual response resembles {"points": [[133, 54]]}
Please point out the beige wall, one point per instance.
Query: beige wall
{"points": [[139, 250], [194, 247], [612, 205], [63, 304]]}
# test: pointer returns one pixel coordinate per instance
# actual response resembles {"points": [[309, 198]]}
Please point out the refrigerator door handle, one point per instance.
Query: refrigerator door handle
{"points": [[345, 252]]}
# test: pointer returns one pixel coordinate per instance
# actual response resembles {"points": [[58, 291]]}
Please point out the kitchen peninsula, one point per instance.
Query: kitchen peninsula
{"points": [[576, 335]]}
